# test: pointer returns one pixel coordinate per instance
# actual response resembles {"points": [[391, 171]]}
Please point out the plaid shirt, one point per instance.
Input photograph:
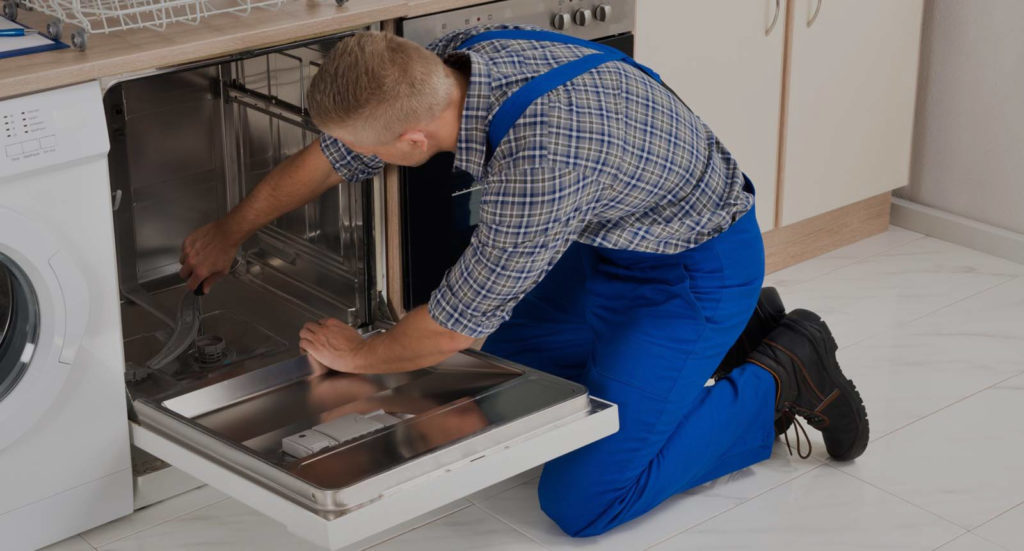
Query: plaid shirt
{"points": [[610, 159]]}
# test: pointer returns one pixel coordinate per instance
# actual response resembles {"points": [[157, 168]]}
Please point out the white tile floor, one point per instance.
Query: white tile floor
{"points": [[933, 335]]}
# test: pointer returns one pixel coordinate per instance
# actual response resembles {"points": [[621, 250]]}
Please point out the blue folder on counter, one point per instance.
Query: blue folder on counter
{"points": [[11, 46]]}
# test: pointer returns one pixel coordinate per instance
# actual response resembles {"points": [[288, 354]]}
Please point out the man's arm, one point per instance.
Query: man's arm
{"points": [[207, 253], [515, 245], [293, 183], [413, 343]]}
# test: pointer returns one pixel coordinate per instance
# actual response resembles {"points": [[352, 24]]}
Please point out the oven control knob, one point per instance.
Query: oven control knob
{"points": [[560, 21], [582, 17], [603, 12]]}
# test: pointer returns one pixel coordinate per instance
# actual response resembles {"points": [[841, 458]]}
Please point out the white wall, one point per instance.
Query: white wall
{"points": [[969, 133]]}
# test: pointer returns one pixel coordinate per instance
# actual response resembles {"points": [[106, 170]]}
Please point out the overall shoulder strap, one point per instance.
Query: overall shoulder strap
{"points": [[551, 36], [513, 107], [510, 111]]}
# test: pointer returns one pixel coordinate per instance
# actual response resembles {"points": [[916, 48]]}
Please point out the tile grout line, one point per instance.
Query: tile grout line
{"points": [[503, 491], [852, 261], [945, 543], [1010, 279], [743, 502], [175, 517], [957, 401], [905, 500], [512, 526], [986, 540], [972, 530], [396, 536], [975, 534], [947, 406], [91, 546]]}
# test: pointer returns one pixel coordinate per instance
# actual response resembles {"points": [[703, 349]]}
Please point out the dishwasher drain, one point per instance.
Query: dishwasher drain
{"points": [[210, 350]]}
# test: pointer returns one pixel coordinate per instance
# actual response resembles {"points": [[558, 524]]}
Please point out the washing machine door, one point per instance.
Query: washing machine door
{"points": [[44, 305]]}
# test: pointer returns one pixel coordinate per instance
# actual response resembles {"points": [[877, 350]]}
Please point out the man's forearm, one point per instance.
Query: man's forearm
{"points": [[291, 184], [415, 342]]}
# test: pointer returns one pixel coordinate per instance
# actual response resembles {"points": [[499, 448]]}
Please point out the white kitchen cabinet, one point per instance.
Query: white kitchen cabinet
{"points": [[724, 58], [850, 110]]}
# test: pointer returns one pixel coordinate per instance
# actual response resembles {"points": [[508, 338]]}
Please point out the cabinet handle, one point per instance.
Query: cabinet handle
{"points": [[775, 18], [814, 16]]}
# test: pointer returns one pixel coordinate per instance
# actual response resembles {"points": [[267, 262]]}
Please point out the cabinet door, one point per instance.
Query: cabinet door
{"points": [[850, 112], [724, 58]]}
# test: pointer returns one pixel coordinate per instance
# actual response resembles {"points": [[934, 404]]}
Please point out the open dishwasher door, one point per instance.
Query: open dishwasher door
{"points": [[339, 458]]}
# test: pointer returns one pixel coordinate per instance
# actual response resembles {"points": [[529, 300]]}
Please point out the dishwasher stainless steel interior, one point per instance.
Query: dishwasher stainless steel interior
{"points": [[335, 457]]}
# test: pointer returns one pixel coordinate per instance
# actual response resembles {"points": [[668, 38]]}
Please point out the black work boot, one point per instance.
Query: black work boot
{"points": [[766, 317], [801, 355]]}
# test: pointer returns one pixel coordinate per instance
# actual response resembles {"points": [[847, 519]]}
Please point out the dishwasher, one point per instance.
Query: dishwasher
{"points": [[337, 458]]}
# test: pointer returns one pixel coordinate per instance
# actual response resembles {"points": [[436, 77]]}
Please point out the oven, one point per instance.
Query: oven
{"points": [[439, 205]]}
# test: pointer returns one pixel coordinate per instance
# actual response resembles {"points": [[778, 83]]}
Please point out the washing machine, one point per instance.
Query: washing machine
{"points": [[64, 453]]}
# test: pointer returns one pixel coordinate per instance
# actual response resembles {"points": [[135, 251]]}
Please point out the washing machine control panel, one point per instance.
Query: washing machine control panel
{"points": [[51, 128], [28, 133]]}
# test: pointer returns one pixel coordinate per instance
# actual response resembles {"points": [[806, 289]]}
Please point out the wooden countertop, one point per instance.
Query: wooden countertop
{"points": [[139, 50]]}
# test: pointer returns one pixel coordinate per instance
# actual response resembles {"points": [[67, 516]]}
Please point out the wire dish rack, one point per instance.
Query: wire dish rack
{"points": [[104, 16]]}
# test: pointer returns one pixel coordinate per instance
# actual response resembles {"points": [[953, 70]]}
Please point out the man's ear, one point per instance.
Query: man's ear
{"points": [[415, 138]]}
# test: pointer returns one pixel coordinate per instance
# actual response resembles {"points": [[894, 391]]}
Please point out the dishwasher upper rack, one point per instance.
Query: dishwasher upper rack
{"points": [[104, 16]]}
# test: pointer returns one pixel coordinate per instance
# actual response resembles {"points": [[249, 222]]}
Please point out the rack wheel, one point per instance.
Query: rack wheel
{"points": [[78, 39], [11, 10], [55, 28]]}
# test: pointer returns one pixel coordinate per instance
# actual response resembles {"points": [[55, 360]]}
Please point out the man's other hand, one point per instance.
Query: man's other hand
{"points": [[206, 255]]}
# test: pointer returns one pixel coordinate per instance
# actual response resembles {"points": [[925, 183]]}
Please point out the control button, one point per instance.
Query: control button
{"points": [[48, 142], [30, 145], [603, 12], [560, 21], [582, 17], [14, 150]]}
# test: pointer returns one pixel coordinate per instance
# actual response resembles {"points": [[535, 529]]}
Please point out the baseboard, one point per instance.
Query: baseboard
{"points": [[958, 229], [826, 232]]}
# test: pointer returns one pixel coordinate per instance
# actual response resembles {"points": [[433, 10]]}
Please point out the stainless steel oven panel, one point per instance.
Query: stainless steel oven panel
{"points": [[619, 18]]}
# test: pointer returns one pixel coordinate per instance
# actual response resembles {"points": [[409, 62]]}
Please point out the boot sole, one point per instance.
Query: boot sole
{"points": [[844, 384]]}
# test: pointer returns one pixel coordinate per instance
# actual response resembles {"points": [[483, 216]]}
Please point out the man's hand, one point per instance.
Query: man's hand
{"points": [[206, 255], [413, 343], [333, 344]]}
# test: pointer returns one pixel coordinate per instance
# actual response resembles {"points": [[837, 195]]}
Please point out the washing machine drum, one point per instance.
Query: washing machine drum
{"points": [[19, 325]]}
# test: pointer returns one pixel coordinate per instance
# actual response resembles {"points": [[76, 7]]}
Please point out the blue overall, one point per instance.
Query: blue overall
{"points": [[644, 331]]}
